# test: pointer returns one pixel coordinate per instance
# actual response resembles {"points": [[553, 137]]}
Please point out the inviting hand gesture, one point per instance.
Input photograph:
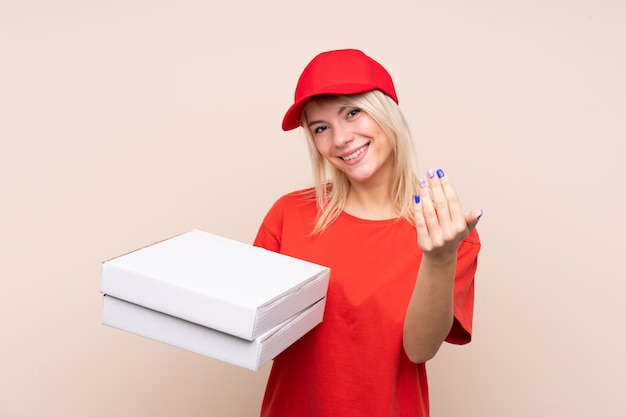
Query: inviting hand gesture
{"points": [[439, 220]]}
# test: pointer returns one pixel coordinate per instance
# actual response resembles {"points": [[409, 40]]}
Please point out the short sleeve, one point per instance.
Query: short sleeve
{"points": [[467, 262], [269, 235]]}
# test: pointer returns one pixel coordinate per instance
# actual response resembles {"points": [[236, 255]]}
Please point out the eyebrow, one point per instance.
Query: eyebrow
{"points": [[341, 110]]}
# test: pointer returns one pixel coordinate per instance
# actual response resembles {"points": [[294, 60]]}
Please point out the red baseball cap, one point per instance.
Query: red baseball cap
{"points": [[344, 71]]}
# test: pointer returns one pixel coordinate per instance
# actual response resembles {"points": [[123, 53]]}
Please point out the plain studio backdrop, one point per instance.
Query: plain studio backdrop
{"points": [[126, 122]]}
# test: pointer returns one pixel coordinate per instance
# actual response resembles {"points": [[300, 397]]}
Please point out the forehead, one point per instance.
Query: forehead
{"points": [[322, 104]]}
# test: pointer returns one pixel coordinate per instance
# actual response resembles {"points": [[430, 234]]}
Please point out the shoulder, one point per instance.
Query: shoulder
{"points": [[289, 213], [295, 200]]}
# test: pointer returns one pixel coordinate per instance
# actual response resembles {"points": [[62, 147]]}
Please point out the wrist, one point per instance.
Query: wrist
{"points": [[439, 259]]}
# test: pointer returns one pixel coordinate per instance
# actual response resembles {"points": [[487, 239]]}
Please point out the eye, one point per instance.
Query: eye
{"points": [[319, 129], [353, 113]]}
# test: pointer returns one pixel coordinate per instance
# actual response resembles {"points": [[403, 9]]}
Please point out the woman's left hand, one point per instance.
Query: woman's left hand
{"points": [[439, 219]]}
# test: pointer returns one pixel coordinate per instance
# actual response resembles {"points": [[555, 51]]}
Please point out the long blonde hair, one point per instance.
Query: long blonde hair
{"points": [[332, 185]]}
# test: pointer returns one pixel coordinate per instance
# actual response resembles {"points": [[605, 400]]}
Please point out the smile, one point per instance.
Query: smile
{"points": [[355, 153]]}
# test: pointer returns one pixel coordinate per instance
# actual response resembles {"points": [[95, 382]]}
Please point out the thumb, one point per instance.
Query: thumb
{"points": [[472, 218]]}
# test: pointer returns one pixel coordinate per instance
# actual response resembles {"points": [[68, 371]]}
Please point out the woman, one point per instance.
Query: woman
{"points": [[402, 253]]}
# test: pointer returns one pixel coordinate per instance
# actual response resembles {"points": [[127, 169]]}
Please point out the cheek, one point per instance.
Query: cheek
{"points": [[322, 146]]}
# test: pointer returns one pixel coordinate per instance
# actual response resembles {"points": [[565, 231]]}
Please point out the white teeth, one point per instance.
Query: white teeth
{"points": [[355, 153]]}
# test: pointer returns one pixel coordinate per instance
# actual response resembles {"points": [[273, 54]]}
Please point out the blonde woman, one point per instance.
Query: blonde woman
{"points": [[402, 253]]}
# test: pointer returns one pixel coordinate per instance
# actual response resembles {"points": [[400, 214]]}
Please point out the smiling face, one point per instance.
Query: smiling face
{"points": [[350, 140]]}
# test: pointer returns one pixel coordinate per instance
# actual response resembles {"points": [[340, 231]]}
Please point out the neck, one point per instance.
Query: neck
{"points": [[370, 202]]}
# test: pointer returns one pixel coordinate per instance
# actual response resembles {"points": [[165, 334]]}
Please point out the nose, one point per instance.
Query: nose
{"points": [[342, 135]]}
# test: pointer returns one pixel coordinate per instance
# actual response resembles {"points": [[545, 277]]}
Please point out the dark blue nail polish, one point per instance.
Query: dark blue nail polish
{"points": [[440, 173], [417, 199]]}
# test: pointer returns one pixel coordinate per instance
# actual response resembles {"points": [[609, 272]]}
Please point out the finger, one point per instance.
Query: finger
{"points": [[440, 201], [429, 214], [454, 205], [418, 213], [472, 219], [421, 226], [428, 208]]}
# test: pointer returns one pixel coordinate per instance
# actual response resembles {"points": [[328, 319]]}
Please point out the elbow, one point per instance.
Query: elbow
{"points": [[420, 355]]}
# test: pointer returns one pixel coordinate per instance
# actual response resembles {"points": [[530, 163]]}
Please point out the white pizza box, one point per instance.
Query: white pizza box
{"points": [[205, 341], [216, 282]]}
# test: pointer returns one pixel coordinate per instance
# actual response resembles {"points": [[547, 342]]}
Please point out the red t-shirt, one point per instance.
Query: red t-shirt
{"points": [[353, 363]]}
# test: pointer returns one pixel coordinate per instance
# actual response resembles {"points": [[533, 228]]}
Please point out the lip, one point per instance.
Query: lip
{"points": [[363, 149]]}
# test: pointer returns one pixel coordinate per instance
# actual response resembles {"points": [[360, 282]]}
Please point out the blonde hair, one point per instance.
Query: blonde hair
{"points": [[332, 185]]}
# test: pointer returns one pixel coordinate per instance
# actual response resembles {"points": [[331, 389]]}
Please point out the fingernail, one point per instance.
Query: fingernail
{"points": [[430, 174], [440, 173], [480, 215], [422, 183], [417, 199]]}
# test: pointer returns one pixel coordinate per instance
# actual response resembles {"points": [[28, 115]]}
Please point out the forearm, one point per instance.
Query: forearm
{"points": [[441, 226], [430, 313]]}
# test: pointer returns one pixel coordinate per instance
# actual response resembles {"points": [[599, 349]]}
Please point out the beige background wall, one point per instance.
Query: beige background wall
{"points": [[125, 122]]}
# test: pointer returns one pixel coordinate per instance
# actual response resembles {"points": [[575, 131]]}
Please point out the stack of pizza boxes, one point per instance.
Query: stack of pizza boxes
{"points": [[214, 296]]}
